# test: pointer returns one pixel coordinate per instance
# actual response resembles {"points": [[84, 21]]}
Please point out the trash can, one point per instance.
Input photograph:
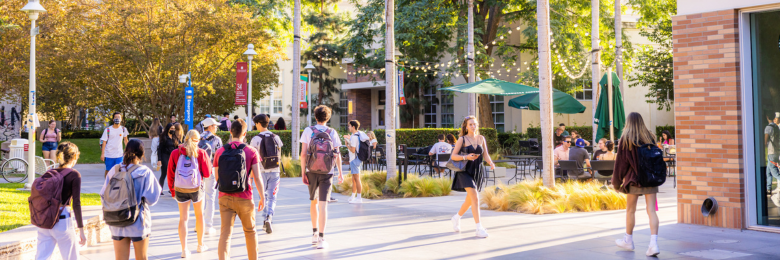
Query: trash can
{"points": [[17, 148]]}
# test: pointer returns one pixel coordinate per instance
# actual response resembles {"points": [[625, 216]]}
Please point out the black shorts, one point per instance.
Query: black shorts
{"points": [[197, 196], [133, 239], [319, 186]]}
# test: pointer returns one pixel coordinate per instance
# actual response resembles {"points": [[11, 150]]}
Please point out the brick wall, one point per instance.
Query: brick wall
{"points": [[361, 106], [708, 117]]}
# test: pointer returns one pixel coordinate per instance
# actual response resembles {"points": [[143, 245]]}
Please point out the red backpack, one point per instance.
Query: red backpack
{"points": [[321, 152], [46, 197]]}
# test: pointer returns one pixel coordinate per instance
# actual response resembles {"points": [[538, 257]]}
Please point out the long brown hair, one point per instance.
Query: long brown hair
{"points": [[154, 130], [464, 130], [636, 133]]}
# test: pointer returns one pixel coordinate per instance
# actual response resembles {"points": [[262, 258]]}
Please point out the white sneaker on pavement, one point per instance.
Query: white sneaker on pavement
{"points": [[621, 243], [653, 250], [356, 201], [481, 232], [202, 248], [315, 238], [211, 231], [776, 199], [186, 253], [322, 244], [456, 223]]}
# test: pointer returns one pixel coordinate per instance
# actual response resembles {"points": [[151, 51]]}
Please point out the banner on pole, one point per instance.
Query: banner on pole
{"points": [[402, 100], [241, 84], [303, 90]]}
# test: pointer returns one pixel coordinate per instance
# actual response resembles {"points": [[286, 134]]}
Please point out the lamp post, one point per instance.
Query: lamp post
{"points": [[250, 52], [32, 8], [189, 94], [308, 68]]}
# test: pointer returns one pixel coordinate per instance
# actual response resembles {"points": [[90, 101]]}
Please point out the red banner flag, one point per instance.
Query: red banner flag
{"points": [[241, 84]]}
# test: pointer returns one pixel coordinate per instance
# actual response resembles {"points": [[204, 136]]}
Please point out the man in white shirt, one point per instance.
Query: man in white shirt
{"points": [[353, 144], [270, 175], [319, 184], [209, 128], [442, 147], [114, 136]]}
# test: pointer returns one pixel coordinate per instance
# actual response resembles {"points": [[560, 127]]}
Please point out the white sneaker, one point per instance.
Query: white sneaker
{"points": [[653, 251], [776, 199], [202, 248], [315, 238], [185, 253], [456, 223], [481, 232], [322, 244], [210, 231], [621, 243], [356, 201], [775, 191]]}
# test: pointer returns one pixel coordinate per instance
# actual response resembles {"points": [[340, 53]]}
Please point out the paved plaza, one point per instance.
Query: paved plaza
{"points": [[419, 228]]}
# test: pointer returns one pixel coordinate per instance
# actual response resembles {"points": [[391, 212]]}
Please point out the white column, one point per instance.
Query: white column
{"points": [[296, 124], [545, 91], [308, 94], [619, 44], [472, 109], [249, 119], [31, 115], [391, 93], [595, 67]]}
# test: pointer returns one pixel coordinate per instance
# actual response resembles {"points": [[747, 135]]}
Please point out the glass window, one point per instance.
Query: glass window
{"points": [[380, 117], [381, 98], [766, 114], [586, 93], [430, 109], [447, 111], [277, 100], [497, 105], [343, 109], [265, 105]]}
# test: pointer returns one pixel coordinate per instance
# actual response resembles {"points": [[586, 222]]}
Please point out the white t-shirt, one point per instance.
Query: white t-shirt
{"points": [[257, 140], [114, 142], [334, 135], [441, 148], [354, 141]]}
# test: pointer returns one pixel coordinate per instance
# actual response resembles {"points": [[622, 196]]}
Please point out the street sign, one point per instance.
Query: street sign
{"points": [[189, 94], [241, 84], [303, 90]]}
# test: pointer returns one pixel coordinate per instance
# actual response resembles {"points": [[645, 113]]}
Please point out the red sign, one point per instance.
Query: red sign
{"points": [[241, 84], [402, 100], [26, 147], [304, 90]]}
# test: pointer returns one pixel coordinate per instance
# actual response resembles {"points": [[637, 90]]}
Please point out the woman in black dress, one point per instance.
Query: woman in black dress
{"points": [[472, 147], [170, 139]]}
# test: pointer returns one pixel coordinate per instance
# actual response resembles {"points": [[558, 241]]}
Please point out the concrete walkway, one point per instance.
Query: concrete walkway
{"points": [[419, 228]]}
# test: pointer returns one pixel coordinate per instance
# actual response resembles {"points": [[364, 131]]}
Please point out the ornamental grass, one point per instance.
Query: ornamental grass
{"points": [[374, 182], [533, 197]]}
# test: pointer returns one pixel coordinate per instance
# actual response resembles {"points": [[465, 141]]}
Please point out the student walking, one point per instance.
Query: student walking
{"points": [[471, 146], [113, 138], [170, 139], [154, 134], [64, 184], [354, 141], [224, 122], [268, 145], [187, 168], [130, 186], [49, 139], [210, 143], [235, 190], [319, 153], [280, 125], [156, 125], [625, 178]]}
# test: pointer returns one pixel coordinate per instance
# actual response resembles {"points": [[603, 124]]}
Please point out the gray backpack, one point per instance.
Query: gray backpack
{"points": [[120, 209]]}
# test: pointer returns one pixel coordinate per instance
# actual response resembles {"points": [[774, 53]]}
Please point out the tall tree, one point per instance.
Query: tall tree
{"points": [[324, 48], [655, 68]]}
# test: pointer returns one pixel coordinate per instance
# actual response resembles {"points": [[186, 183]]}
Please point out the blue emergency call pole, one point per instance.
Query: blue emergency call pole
{"points": [[189, 94]]}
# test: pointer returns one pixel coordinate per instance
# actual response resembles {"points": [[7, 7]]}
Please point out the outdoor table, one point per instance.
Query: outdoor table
{"points": [[516, 162], [526, 160]]}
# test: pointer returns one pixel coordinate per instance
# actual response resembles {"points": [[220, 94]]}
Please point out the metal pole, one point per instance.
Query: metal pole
{"points": [[618, 45], [595, 68], [308, 99], [31, 116], [296, 110], [472, 110], [249, 122], [609, 99], [545, 91], [390, 88]]}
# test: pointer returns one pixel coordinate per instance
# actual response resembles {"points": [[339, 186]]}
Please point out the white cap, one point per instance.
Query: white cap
{"points": [[777, 114], [208, 122]]}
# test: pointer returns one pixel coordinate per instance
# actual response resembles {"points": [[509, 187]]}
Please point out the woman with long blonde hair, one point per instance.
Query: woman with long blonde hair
{"points": [[625, 180], [471, 147], [187, 168]]}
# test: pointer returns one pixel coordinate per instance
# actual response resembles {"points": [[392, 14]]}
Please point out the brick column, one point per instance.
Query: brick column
{"points": [[708, 117], [361, 107]]}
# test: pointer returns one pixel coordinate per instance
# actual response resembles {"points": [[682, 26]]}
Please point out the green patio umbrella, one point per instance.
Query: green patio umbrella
{"points": [[602, 110], [493, 87], [562, 103]]}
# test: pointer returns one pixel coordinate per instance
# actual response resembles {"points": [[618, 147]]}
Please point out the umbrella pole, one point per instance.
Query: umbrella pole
{"points": [[609, 100]]}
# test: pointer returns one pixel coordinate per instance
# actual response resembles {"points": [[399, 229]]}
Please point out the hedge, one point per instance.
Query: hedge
{"points": [[283, 134], [584, 131], [510, 142], [422, 137], [83, 134], [659, 129]]}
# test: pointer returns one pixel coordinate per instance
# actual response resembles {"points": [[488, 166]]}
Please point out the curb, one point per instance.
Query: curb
{"points": [[95, 230]]}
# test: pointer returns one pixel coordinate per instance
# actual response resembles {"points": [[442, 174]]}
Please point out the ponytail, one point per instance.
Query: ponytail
{"points": [[67, 152]]}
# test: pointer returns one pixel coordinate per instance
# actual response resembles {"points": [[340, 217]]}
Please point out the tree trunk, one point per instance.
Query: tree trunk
{"points": [[485, 112], [545, 91]]}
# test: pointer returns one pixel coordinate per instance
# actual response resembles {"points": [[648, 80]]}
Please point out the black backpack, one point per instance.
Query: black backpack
{"points": [[364, 149], [775, 137], [652, 168], [268, 151], [232, 170], [223, 125], [205, 144]]}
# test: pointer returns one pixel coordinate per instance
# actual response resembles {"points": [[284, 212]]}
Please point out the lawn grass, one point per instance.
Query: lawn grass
{"points": [[14, 209], [89, 148], [534, 198]]}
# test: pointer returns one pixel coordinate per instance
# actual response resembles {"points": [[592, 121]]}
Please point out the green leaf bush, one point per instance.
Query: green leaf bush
{"points": [[422, 137]]}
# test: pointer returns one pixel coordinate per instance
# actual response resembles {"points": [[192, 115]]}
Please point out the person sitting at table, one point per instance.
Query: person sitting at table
{"points": [[665, 139], [562, 152], [558, 137], [441, 147], [605, 153], [580, 156], [575, 136], [451, 140], [372, 138]]}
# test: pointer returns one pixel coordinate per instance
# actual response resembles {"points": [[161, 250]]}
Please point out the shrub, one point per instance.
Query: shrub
{"points": [[292, 168], [659, 129], [534, 198], [374, 182], [510, 142], [422, 137]]}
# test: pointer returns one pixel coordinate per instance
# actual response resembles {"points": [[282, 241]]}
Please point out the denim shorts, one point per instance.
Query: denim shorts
{"points": [[133, 239], [355, 165], [49, 146]]}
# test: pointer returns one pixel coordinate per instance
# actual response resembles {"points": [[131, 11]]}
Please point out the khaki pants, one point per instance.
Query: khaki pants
{"points": [[229, 207]]}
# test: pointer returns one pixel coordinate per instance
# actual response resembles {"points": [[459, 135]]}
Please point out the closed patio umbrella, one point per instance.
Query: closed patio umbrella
{"points": [[562, 103], [602, 109]]}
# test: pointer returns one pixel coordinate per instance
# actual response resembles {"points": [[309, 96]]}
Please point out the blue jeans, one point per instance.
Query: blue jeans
{"points": [[271, 181], [771, 171], [211, 196]]}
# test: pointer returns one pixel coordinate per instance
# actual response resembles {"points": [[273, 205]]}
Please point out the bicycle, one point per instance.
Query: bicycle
{"points": [[14, 170]]}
